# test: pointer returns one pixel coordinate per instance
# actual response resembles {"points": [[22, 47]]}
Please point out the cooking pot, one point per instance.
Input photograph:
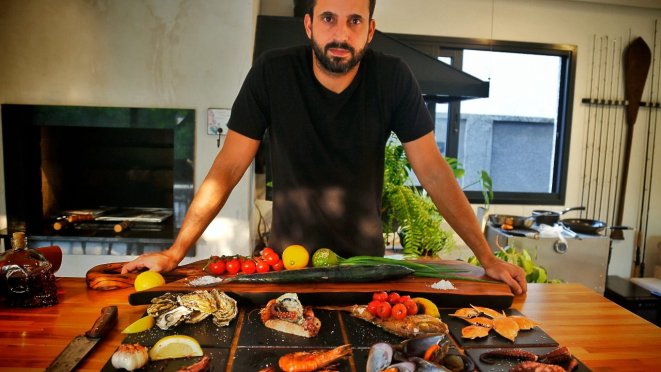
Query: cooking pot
{"points": [[551, 217], [514, 221], [590, 227]]}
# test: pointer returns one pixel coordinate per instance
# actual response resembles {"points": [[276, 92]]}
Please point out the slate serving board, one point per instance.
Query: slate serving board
{"points": [[255, 359], [219, 358], [506, 365], [533, 337]]}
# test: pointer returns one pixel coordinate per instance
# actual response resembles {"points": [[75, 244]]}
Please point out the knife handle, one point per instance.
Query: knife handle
{"points": [[103, 323]]}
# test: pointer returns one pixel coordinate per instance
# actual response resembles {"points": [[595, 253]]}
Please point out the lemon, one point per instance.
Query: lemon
{"points": [[140, 325], [148, 279], [324, 257], [295, 257], [176, 346], [426, 307]]}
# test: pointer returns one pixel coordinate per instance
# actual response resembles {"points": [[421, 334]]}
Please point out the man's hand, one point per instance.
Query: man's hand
{"points": [[161, 262], [513, 275]]}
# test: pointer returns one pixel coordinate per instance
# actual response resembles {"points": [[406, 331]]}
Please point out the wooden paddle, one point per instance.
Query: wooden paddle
{"points": [[637, 60]]}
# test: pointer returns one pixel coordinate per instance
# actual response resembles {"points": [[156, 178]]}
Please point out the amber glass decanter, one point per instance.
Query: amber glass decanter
{"points": [[26, 277]]}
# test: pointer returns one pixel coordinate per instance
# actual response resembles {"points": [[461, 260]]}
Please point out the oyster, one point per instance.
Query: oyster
{"points": [[197, 316], [173, 318], [227, 308], [199, 300], [162, 304]]}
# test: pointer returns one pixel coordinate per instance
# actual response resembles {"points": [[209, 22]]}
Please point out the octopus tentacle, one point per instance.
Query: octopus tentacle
{"points": [[573, 363], [530, 366], [556, 356], [489, 356]]}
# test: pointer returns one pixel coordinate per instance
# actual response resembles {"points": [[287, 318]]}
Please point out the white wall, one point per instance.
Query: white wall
{"points": [[160, 53], [195, 54]]}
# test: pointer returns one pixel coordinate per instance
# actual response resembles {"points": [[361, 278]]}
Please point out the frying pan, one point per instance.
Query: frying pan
{"points": [[514, 221], [551, 217], [590, 227]]}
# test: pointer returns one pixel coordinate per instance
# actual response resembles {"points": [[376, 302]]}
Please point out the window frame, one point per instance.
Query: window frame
{"points": [[439, 46]]}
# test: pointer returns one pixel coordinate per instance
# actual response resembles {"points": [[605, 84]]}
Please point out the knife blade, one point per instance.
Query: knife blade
{"points": [[81, 345]]}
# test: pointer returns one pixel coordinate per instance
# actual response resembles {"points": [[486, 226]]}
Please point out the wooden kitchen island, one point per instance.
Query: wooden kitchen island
{"points": [[604, 336]]}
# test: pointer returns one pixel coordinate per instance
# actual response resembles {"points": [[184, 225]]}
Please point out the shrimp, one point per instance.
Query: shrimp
{"points": [[311, 361]]}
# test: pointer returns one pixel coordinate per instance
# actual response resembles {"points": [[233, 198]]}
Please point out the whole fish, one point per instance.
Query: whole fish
{"points": [[409, 326]]}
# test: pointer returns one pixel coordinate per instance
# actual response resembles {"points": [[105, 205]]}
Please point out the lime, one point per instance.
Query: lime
{"points": [[324, 257], [176, 346], [140, 325], [295, 257], [148, 279]]}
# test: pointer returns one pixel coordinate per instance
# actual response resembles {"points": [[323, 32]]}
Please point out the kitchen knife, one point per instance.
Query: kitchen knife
{"points": [[81, 345]]}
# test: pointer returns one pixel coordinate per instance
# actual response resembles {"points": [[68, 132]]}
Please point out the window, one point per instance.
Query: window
{"points": [[520, 134]]}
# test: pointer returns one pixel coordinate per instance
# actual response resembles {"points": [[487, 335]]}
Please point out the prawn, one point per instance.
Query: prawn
{"points": [[305, 361]]}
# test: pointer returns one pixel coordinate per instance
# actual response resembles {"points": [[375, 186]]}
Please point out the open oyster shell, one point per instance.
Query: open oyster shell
{"points": [[171, 310], [173, 317]]}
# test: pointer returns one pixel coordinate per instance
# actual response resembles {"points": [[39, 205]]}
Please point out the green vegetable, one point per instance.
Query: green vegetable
{"points": [[429, 270], [329, 274], [324, 257], [534, 273]]}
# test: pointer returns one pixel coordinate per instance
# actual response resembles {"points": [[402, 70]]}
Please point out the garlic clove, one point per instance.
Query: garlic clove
{"points": [[130, 357]]}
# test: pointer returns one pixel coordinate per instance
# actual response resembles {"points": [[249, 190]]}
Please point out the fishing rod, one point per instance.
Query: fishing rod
{"points": [[587, 127], [595, 130]]}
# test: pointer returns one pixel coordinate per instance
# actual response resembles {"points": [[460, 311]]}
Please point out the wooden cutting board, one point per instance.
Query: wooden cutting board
{"points": [[494, 295]]}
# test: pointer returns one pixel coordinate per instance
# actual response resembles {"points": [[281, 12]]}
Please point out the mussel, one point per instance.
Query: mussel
{"points": [[427, 366], [382, 354], [380, 357]]}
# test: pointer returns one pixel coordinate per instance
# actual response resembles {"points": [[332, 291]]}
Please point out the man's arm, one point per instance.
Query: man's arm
{"points": [[231, 163], [436, 177]]}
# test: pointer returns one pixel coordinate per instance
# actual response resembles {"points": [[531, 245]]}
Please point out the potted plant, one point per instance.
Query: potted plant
{"points": [[411, 212]]}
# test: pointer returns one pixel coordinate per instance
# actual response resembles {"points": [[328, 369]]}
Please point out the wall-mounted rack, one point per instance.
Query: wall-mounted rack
{"points": [[610, 102]]}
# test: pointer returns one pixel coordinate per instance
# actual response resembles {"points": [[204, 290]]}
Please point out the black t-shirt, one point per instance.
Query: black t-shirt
{"points": [[327, 149]]}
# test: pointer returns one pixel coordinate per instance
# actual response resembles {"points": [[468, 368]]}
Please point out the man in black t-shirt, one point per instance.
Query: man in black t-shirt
{"points": [[330, 108]]}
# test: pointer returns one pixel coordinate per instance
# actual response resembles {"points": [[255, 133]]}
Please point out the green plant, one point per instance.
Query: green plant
{"points": [[534, 273], [416, 216]]}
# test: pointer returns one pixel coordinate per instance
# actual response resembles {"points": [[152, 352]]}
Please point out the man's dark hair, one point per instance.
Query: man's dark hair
{"points": [[311, 4]]}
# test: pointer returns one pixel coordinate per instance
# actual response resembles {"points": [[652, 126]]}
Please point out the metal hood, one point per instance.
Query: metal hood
{"points": [[435, 78]]}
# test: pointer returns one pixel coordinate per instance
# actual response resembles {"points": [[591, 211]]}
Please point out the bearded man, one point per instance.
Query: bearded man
{"points": [[330, 108]]}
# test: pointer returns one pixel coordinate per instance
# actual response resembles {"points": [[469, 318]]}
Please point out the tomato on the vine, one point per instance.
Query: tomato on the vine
{"points": [[403, 299], [242, 259], [380, 296], [384, 310], [393, 297], [266, 251], [217, 267], [262, 266], [372, 306], [411, 307], [278, 266], [271, 257], [233, 266], [248, 267], [399, 311]]}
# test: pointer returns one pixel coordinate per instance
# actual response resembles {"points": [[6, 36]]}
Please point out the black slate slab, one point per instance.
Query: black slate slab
{"points": [[219, 358], [255, 334], [255, 359], [206, 332], [360, 356], [362, 334], [532, 338], [506, 365]]}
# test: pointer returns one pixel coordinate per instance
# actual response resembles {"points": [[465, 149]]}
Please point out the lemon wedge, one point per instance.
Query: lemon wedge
{"points": [[140, 325], [177, 346], [148, 279], [426, 307]]}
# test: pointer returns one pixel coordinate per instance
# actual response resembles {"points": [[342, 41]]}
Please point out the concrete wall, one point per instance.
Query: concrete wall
{"points": [[195, 54]]}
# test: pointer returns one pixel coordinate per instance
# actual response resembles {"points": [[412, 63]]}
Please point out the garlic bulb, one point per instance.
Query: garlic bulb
{"points": [[130, 357]]}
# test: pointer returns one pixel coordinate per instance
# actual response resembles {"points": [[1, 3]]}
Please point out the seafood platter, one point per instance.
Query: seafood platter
{"points": [[208, 330]]}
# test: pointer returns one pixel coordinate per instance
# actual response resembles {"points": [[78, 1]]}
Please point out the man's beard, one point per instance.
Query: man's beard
{"points": [[336, 65]]}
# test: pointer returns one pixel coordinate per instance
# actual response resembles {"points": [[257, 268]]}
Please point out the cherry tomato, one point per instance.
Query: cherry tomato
{"points": [[278, 266], [399, 311], [384, 310], [262, 266], [217, 267], [271, 258], [213, 258], [233, 266], [393, 297], [403, 299], [242, 260], [265, 251], [248, 267], [411, 307], [380, 296], [372, 306]]}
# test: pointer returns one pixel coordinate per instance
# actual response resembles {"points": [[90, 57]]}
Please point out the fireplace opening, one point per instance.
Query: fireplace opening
{"points": [[131, 165]]}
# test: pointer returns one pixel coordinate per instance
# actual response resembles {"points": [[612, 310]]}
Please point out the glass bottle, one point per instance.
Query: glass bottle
{"points": [[26, 277]]}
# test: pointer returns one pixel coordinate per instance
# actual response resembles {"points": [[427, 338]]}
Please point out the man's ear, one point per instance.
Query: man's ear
{"points": [[307, 21], [370, 34]]}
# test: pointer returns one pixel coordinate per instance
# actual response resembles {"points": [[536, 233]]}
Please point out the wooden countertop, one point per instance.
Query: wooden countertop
{"points": [[604, 336]]}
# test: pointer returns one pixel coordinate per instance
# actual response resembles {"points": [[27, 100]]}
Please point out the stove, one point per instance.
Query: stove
{"points": [[584, 259]]}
